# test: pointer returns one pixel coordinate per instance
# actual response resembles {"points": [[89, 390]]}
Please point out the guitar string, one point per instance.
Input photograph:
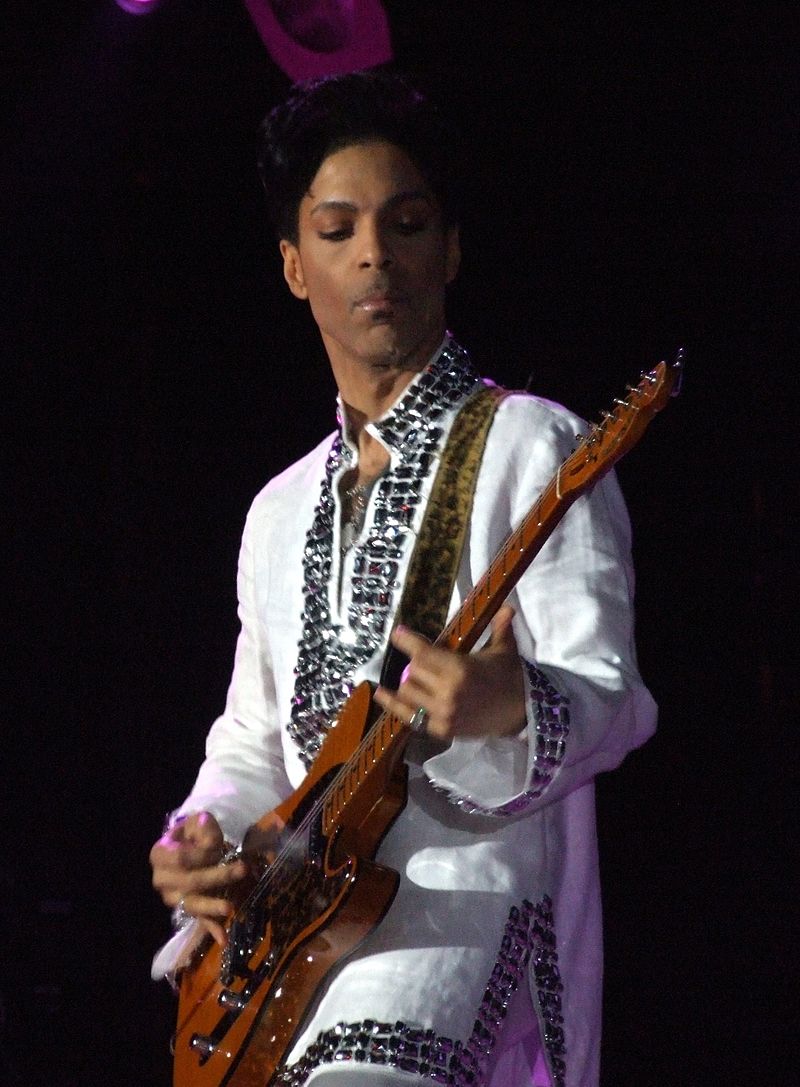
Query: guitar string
{"points": [[275, 869], [282, 857]]}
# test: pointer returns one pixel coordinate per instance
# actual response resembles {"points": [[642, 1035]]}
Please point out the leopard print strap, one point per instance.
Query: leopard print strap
{"points": [[437, 554]]}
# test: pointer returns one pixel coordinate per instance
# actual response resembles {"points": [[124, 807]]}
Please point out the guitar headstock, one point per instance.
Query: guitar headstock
{"points": [[620, 429]]}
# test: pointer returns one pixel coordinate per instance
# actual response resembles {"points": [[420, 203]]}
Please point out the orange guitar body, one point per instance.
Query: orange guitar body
{"points": [[240, 1010]]}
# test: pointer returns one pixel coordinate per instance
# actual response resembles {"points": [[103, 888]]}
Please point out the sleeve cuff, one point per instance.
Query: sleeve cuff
{"points": [[503, 776]]}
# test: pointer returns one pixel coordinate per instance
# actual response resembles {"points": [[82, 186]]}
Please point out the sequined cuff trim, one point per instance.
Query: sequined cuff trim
{"points": [[528, 936], [551, 728], [551, 713]]}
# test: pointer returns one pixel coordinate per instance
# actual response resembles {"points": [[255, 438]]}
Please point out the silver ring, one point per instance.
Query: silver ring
{"points": [[180, 918], [419, 720]]}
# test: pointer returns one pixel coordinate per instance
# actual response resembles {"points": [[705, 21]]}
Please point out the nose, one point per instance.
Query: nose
{"points": [[375, 250]]}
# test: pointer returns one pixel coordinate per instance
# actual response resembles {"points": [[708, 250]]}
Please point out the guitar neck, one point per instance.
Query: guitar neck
{"points": [[593, 458], [512, 560]]}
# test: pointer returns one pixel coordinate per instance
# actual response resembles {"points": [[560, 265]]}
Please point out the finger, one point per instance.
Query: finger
{"points": [[199, 856], [413, 693], [220, 875], [165, 855], [427, 663], [202, 831], [502, 637], [408, 642], [205, 829], [184, 881], [204, 906], [181, 856], [215, 930], [428, 674], [199, 831], [393, 703], [265, 841], [433, 726]]}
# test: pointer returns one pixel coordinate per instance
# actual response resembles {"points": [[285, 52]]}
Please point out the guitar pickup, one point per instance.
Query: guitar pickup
{"points": [[235, 955]]}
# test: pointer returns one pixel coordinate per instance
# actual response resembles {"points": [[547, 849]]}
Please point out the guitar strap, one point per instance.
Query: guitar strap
{"points": [[437, 554]]}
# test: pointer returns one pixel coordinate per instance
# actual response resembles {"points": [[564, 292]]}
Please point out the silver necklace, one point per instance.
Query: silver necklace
{"points": [[355, 511]]}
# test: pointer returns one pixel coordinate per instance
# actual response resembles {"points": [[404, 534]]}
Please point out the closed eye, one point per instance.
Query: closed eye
{"points": [[338, 235]]}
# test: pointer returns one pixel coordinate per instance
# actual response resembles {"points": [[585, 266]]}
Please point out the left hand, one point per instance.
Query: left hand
{"points": [[467, 695]]}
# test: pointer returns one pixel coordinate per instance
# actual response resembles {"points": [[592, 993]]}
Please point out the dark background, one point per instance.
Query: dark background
{"points": [[633, 185]]}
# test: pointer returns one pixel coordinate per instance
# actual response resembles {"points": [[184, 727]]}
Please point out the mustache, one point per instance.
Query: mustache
{"points": [[379, 288]]}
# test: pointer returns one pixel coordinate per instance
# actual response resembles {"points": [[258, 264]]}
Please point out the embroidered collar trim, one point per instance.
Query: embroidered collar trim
{"points": [[329, 653]]}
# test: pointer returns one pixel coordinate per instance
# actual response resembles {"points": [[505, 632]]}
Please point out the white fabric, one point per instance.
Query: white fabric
{"points": [[428, 962]]}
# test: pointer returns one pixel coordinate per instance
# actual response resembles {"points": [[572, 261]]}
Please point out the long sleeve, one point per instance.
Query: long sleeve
{"points": [[243, 774], [470, 882], [587, 706]]}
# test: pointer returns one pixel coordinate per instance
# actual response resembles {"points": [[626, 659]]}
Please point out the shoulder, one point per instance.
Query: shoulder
{"points": [[529, 426], [530, 439], [523, 410]]}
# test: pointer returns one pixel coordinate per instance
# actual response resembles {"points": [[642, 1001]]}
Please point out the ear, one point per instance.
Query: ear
{"points": [[452, 257], [293, 269]]}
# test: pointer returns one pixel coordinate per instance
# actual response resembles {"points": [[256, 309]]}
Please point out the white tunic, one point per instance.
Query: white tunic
{"points": [[491, 824]]}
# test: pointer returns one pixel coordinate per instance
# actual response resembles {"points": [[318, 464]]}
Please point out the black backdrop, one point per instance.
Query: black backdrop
{"points": [[633, 185]]}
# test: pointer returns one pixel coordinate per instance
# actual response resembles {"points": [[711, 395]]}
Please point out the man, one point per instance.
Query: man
{"points": [[496, 844]]}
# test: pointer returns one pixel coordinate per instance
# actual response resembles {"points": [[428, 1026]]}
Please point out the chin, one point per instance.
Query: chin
{"points": [[389, 346]]}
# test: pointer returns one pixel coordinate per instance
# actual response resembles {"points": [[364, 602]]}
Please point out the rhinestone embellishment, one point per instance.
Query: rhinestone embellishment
{"points": [[528, 938], [551, 714], [330, 653]]}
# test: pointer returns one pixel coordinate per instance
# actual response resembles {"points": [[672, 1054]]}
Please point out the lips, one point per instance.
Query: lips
{"points": [[378, 300]]}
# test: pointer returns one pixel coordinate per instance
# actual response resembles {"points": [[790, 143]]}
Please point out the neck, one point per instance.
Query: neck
{"points": [[367, 400], [372, 456], [370, 386]]}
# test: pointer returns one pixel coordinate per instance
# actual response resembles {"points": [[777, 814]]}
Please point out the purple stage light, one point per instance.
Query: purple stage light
{"points": [[312, 38], [138, 7]]}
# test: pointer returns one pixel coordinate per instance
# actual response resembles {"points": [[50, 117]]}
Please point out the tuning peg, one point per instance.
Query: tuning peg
{"points": [[229, 999], [203, 1044], [678, 364]]}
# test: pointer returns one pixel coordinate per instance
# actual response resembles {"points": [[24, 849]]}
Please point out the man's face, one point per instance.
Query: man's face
{"points": [[373, 258]]}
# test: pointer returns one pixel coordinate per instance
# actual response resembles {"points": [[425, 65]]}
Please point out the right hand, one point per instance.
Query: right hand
{"points": [[186, 870]]}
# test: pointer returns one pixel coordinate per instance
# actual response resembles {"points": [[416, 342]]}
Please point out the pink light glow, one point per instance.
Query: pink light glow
{"points": [[312, 38], [138, 7]]}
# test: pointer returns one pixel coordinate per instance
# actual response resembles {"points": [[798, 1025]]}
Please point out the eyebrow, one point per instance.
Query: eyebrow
{"points": [[398, 198]]}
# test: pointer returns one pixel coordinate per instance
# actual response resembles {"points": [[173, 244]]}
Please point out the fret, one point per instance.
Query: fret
{"points": [[371, 748], [594, 455]]}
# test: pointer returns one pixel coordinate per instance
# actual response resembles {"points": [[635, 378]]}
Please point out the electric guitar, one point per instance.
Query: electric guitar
{"points": [[301, 915]]}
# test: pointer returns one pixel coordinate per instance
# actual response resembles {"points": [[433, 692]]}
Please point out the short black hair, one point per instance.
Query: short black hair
{"points": [[325, 115]]}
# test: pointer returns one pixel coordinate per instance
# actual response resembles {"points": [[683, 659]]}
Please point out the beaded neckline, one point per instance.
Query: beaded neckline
{"points": [[329, 653]]}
